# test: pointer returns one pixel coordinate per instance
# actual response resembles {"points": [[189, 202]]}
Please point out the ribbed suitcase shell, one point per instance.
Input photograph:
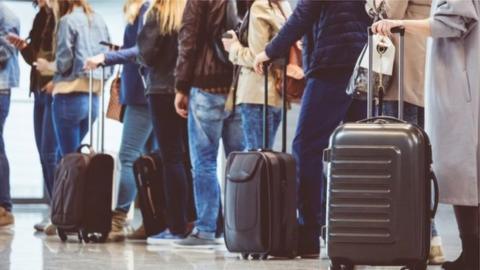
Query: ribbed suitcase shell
{"points": [[379, 194]]}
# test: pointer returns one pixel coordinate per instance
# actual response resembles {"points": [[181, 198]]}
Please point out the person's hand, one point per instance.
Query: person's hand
{"points": [[181, 104], [259, 60], [16, 41], [384, 27], [228, 42], [43, 66], [48, 88], [93, 62]]}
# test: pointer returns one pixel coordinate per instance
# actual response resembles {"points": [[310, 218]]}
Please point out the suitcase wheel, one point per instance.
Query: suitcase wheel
{"points": [[256, 257], [61, 233], [264, 257], [416, 266], [339, 266], [79, 235], [84, 235], [245, 256]]}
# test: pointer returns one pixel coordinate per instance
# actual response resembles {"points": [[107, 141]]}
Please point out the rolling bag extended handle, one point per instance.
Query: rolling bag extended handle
{"points": [[401, 71], [283, 63], [101, 117]]}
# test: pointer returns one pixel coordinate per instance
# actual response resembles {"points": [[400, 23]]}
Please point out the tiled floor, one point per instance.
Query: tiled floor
{"points": [[21, 249]]}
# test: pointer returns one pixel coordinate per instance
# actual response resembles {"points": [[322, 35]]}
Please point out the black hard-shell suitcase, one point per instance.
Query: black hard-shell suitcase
{"points": [[82, 196], [379, 189], [261, 200]]}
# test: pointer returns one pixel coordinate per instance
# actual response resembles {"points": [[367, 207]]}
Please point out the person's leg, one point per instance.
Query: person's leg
{"points": [[67, 116], [468, 226], [169, 130], [324, 106], [5, 199], [205, 123], [49, 150], [137, 127], [357, 111], [83, 103], [252, 125]]}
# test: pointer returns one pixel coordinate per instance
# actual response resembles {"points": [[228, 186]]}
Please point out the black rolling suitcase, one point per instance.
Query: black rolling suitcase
{"points": [[82, 196], [148, 170], [261, 199], [379, 189]]}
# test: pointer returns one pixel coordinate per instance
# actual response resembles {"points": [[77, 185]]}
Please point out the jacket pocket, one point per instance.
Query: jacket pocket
{"points": [[468, 90]]}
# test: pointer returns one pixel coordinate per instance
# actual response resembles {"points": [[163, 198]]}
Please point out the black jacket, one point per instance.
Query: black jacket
{"points": [[158, 52], [40, 39], [335, 33]]}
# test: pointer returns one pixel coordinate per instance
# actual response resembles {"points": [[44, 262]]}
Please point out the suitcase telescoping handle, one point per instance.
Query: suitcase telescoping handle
{"points": [[101, 116], [282, 62], [401, 71]]}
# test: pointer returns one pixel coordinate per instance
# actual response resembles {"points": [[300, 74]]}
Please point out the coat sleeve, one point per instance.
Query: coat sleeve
{"points": [[6, 49], [258, 36], [65, 42], [453, 18], [301, 21], [187, 44]]}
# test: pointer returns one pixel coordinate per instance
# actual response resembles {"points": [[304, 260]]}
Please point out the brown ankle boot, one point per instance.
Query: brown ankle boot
{"points": [[117, 233]]}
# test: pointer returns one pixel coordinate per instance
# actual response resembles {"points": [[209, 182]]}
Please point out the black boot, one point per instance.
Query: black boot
{"points": [[469, 259]]}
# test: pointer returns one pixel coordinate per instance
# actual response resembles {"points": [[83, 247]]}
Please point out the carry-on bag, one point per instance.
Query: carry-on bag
{"points": [[260, 198], [149, 178], [82, 196], [379, 203]]}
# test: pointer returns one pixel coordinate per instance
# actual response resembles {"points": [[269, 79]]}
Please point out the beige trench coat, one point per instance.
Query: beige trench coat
{"points": [[265, 23], [452, 99], [415, 49]]}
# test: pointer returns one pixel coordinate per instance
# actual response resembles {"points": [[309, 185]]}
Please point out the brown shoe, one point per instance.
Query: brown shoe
{"points": [[3, 211], [138, 234], [6, 219], [119, 227], [50, 229]]}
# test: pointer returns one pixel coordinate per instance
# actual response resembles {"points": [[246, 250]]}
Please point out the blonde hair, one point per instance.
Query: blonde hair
{"points": [[131, 9], [168, 14]]}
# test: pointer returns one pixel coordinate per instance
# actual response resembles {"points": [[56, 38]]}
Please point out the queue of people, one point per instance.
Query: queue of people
{"points": [[186, 99]]}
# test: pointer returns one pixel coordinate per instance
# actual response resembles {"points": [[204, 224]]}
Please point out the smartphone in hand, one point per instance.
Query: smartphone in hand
{"points": [[227, 35], [112, 46]]}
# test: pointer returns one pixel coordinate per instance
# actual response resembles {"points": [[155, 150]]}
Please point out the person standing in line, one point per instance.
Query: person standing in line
{"points": [[137, 132], [40, 45], [159, 40], [202, 83], [9, 78], [266, 17], [452, 106], [335, 33], [414, 80], [79, 32]]}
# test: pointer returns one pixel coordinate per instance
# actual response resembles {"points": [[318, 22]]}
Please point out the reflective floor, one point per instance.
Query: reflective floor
{"points": [[21, 249]]}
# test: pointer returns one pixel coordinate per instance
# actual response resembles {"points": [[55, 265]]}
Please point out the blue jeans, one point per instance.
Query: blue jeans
{"points": [[324, 107], [171, 133], [70, 119], [45, 137], [137, 138], [5, 199], [208, 122], [252, 122]]}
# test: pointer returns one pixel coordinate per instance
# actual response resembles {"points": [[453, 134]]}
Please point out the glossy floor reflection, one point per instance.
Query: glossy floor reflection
{"points": [[21, 249]]}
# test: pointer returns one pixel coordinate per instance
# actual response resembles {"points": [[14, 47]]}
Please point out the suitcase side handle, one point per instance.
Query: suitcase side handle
{"points": [[436, 194]]}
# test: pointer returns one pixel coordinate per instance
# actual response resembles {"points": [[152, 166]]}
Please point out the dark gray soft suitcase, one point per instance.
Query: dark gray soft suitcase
{"points": [[379, 190], [82, 194], [261, 200]]}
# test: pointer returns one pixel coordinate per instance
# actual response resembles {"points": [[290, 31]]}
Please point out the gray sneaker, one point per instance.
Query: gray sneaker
{"points": [[194, 241]]}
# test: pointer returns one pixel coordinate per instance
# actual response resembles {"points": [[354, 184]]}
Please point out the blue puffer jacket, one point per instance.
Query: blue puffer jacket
{"points": [[334, 34]]}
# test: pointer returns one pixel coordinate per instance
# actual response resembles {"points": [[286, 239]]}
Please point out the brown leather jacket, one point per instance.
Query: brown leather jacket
{"points": [[197, 65]]}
